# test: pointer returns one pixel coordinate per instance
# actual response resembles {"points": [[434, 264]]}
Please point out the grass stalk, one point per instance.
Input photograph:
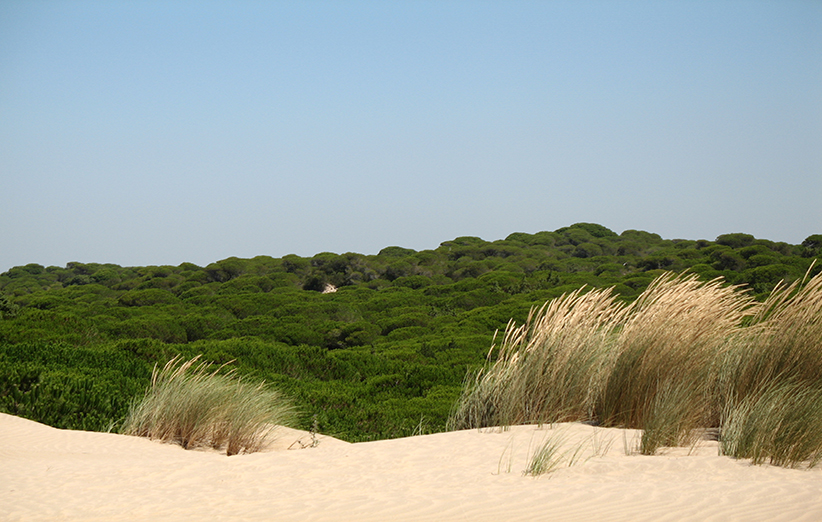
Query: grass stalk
{"points": [[663, 375], [546, 458]]}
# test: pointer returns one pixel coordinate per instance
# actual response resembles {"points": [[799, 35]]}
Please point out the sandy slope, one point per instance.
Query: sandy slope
{"points": [[50, 474]]}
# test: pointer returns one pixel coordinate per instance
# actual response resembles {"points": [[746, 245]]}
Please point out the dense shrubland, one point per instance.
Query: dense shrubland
{"points": [[383, 356]]}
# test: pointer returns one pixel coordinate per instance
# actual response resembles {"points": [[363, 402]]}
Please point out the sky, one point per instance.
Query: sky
{"points": [[161, 132]]}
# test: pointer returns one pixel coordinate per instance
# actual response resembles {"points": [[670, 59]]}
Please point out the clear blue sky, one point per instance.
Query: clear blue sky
{"points": [[149, 133]]}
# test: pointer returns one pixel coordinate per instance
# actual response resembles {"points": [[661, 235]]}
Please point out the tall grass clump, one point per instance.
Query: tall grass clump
{"points": [[193, 406], [783, 343], [586, 356], [550, 369], [781, 424], [663, 378], [772, 380], [685, 355]]}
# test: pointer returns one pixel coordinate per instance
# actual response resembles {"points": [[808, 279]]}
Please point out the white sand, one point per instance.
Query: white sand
{"points": [[54, 475]]}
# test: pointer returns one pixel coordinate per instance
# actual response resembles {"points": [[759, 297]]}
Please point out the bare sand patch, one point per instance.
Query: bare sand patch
{"points": [[51, 474]]}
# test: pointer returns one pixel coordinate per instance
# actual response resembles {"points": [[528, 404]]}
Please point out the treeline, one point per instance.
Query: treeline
{"points": [[372, 346]]}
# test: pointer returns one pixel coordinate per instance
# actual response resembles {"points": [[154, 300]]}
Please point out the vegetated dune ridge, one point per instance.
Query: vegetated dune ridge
{"points": [[51, 474]]}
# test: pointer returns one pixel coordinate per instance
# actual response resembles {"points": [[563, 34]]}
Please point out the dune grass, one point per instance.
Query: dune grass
{"points": [[685, 355], [781, 424], [782, 343], [547, 457], [194, 406], [554, 452], [663, 373], [550, 369], [772, 386]]}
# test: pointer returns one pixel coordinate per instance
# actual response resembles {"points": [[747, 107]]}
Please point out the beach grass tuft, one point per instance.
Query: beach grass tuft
{"points": [[685, 356], [782, 425], [773, 381], [192, 405], [662, 378], [546, 458], [554, 452], [551, 369]]}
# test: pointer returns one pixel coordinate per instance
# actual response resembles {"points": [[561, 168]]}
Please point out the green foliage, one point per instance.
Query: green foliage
{"points": [[148, 297], [7, 308], [226, 270], [812, 246], [591, 228], [69, 387], [735, 240]]}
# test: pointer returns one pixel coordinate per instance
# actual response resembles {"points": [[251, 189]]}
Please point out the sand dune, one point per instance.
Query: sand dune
{"points": [[51, 474]]}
